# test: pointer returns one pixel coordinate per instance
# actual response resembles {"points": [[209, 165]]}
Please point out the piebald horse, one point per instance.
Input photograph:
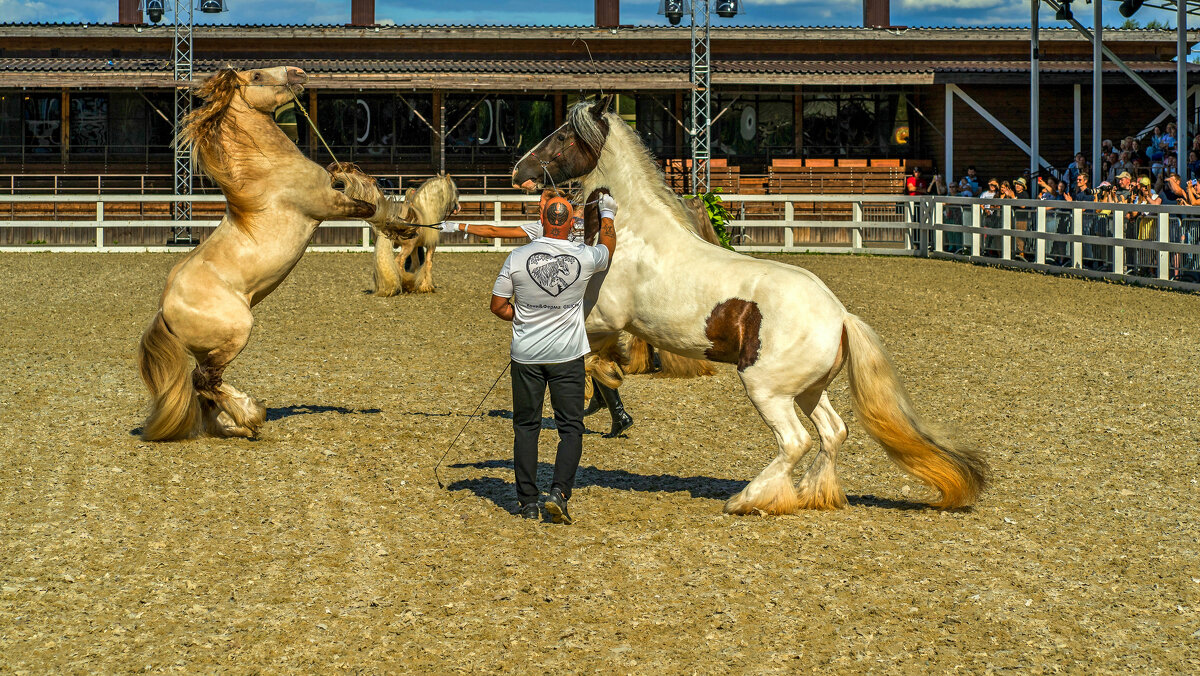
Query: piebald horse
{"points": [[788, 335], [275, 200]]}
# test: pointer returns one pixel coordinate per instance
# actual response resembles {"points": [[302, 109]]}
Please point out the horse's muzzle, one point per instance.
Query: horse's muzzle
{"points": [[296, 76], [526, 177]]}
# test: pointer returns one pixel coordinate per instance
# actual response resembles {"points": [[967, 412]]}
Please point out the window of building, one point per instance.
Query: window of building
{"points": [[759, 126], [11, 128], [495, 129], [844, 122], [375, 127], [42, 115], [88, 122]]}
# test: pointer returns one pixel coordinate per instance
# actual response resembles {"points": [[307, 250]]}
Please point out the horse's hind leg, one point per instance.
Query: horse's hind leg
{"points": [[229, 412], [424, 278], [407, 263], [772, 491], [820, 488]]}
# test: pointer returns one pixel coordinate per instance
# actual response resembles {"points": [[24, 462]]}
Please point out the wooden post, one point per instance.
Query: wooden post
{"points": [[1041, 243], [678, 129], [1118, 235], [99, 225], [1163, 230], [976, 222], [437, 144], [312, 134], [1077, 247], [1006, 225], [65, 130], [798, 125]]}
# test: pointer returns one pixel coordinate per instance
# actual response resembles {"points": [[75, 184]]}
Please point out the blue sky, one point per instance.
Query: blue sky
{"points": [[580, 12]]}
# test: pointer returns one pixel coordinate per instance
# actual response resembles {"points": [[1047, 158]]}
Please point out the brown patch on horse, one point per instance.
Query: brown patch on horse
{"points": [[733, 328]]}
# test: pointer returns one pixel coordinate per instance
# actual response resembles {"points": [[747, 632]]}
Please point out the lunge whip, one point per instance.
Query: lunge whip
{"points": [[464, 427]]}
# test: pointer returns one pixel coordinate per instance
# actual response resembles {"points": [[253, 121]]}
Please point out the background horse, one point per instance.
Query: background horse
{"points": [[275, 200], [394, 224], [784, 329]]}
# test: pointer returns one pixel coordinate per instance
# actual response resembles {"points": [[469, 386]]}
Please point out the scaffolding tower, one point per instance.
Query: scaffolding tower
{"points": [[182, 59], [701, 102]]}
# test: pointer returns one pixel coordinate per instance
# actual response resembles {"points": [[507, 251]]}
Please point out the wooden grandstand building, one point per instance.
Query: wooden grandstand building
{"points": [[96, 99]]}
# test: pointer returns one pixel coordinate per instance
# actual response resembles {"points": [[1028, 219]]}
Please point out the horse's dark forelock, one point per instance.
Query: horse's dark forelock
{"points": [[590, 131]]}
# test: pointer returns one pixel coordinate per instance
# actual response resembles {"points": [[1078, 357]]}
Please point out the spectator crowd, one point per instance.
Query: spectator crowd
{"points": [[1135, 171]]}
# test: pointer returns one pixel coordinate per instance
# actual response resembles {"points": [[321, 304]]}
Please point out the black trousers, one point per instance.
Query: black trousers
{"points": [[529, 382]]}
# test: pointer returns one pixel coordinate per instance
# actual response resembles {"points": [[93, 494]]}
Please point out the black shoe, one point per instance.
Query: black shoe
{"points": [[556, 507], [529, 511]]}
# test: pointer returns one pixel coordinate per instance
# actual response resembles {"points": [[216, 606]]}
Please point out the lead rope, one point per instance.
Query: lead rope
{"points": [[313, 125]]}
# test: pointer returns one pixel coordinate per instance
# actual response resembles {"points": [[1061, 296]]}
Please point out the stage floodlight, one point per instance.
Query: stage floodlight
{"points": [[1128, 7], [154, 10], [1064, 12], [727, 9], [212, 6], [673, 10]]}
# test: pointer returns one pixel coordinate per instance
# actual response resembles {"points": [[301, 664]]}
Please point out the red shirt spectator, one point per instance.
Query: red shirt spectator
{"points": [[916, 184]]}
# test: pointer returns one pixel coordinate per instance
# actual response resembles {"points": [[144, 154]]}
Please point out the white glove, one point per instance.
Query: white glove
{"points": [[448, 226], [608, 206]]}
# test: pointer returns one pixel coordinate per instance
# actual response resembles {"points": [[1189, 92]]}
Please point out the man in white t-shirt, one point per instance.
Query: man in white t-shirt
{"points": [[540, 290], [602, 395]]}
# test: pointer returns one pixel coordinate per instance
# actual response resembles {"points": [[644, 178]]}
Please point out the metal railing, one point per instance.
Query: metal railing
{"points": [[1157, 245]]}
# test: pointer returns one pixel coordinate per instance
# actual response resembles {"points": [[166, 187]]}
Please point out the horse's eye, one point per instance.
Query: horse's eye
{"points": [[257, 76], [562, 137]]}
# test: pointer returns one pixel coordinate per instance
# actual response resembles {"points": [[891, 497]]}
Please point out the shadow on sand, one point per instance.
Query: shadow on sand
{"points": [[502, 493], [310, 409]]}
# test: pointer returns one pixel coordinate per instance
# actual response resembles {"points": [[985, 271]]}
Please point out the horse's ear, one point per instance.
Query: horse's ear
{"points": [[602, 106], [409, 195]]}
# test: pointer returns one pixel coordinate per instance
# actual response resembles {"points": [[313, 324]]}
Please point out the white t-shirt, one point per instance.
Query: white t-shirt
{"points": [[547, 279]]}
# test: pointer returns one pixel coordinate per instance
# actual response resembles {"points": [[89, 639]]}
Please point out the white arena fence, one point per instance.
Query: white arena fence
{"points": [[1156, 245]]}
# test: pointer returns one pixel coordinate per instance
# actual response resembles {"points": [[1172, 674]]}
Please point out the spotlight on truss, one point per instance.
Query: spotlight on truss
{"points": [[673, 10], [727, 9], [1128, 7]]}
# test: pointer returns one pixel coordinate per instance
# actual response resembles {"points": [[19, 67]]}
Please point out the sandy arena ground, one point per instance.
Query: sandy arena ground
{"points": [[325, 545]]}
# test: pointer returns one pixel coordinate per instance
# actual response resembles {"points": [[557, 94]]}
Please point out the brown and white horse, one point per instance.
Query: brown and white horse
{"points": [[784, 329], [276, 199]]}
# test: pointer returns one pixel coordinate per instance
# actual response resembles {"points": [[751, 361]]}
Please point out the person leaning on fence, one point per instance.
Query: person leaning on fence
{"points": [[1020, 217], [990, 216], [540, 290]]}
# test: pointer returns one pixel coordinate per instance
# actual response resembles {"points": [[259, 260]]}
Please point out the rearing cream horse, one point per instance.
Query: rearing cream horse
{"points": [[783, 328], [276, 199]]}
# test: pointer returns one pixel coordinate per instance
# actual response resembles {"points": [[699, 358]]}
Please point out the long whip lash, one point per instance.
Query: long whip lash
{"points": [[464, 427]]}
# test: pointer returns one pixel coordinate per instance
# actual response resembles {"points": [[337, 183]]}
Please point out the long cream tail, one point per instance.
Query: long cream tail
{"points": [[166, 370], [885, 409]]}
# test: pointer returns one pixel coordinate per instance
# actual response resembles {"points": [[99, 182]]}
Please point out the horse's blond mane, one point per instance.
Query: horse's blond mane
{"points": [[634, 163], [433, 199], [199, 131]]}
